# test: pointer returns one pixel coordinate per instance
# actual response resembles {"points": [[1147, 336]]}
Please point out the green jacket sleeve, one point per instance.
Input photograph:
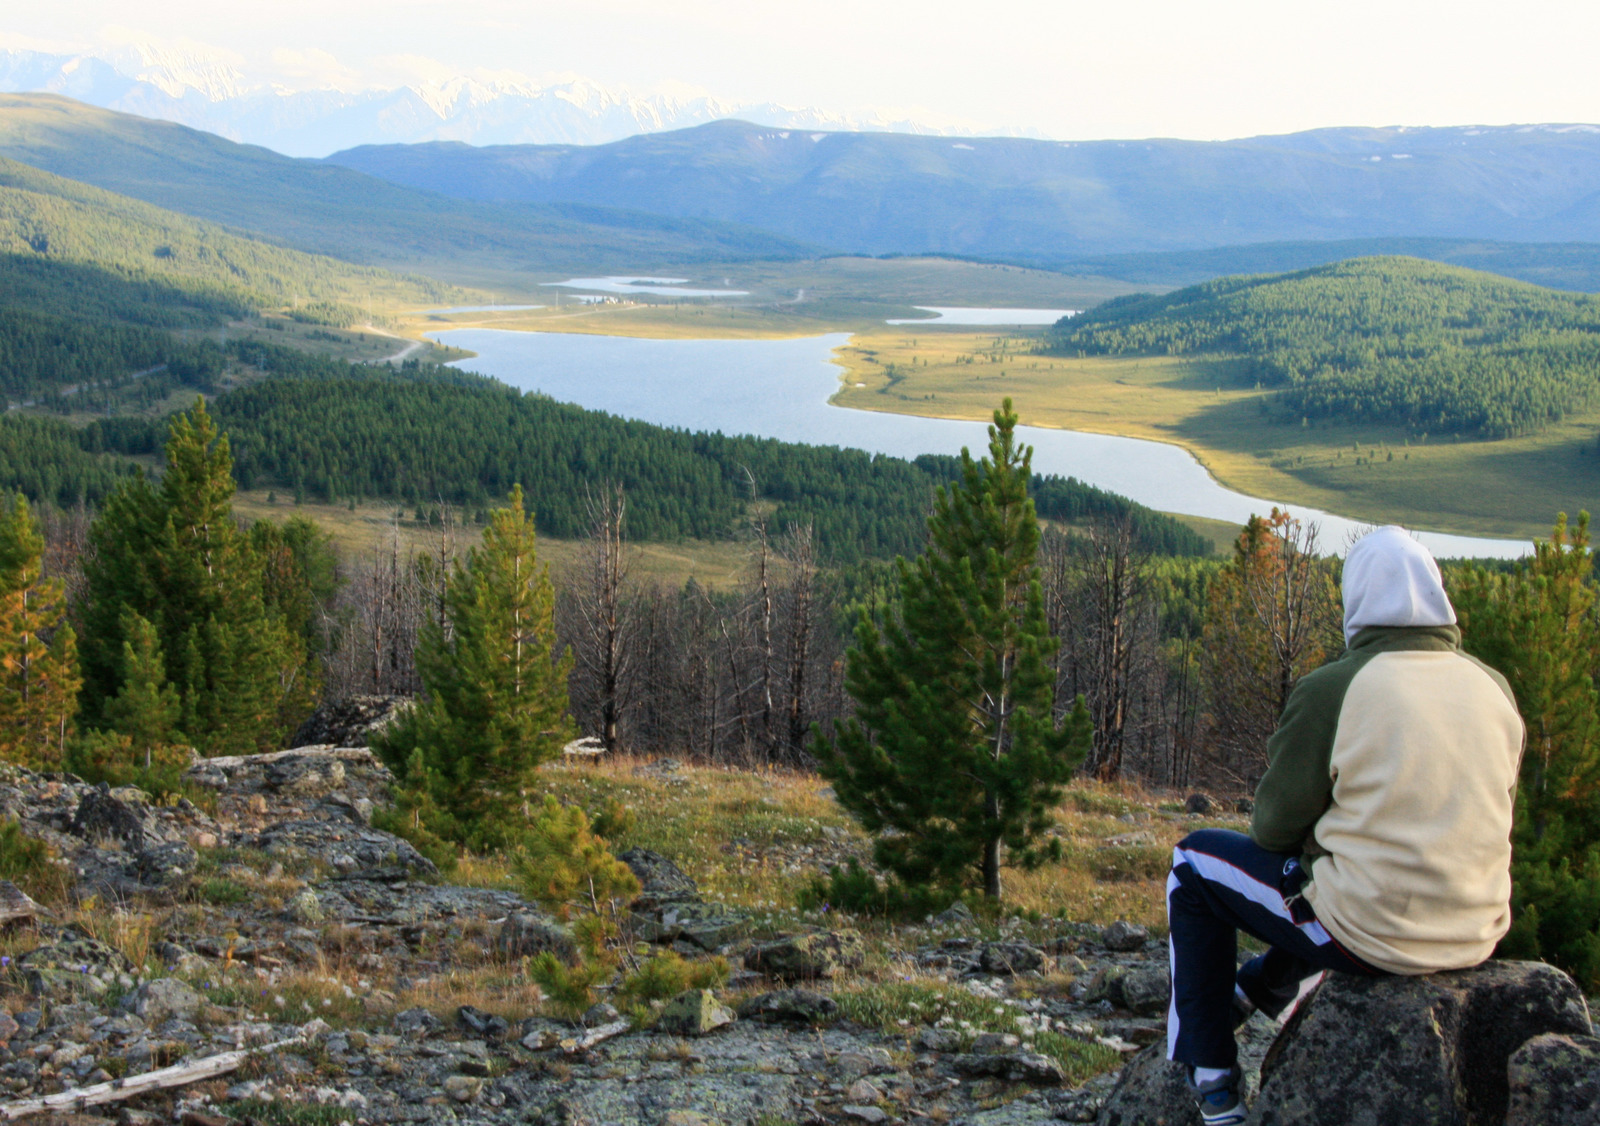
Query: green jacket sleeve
{"points": [[1298, 785]]}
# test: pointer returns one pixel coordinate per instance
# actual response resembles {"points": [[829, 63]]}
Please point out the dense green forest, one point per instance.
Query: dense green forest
{"points": [[1396, 340], [92, 285], [425, 434], [46, 461], [191, 263]]}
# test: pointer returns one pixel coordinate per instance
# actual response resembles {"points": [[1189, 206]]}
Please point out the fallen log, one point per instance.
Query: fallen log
{"points": [[178, 1075]]}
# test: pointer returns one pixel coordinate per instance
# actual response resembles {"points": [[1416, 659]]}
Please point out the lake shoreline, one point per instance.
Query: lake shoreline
{"points": [[623, 375]]}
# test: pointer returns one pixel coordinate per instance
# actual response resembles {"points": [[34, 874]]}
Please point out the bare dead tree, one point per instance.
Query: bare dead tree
{"points": [[605, 610], [800, 550], [1272, 616]]}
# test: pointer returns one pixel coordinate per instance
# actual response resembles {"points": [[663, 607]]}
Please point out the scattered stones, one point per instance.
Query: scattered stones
{"points": [[934, 1039], [1144, 990], [957, 914], [75, 964], [1009, 958], [167, 865], [694, 1012], [305, 907], [463, 1088], [1555, 1081], [526, 935], [416, 1023], [1124, 937], [705, 925], [163, 999], [790, 1006], [1014, 1067], [487, 1025], [801, 957], [660, 880]]}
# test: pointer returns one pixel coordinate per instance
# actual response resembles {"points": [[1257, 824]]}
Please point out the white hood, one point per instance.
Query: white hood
{"points": [[1391, 580]]}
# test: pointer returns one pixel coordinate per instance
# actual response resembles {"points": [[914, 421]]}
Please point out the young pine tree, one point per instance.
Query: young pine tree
{"points": [[495, 703], [38, 655], [146, 709], [954, 749], [174, 556], [1538, 627]]}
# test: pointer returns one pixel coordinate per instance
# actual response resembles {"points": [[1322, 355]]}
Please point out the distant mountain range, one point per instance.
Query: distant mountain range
{"points": [[324, 209], [212, 95], [1047, 202]]}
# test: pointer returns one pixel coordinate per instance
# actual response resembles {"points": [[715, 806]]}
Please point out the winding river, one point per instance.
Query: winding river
{"points": [[780, 389]]}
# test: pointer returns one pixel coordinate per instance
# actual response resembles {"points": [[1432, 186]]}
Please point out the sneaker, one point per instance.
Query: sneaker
{"points": [[1220, 1104]]}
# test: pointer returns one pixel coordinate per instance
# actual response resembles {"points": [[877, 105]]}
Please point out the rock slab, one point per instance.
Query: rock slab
{"points": [[1555, 1081], [1373, 1051], [803, 957]]}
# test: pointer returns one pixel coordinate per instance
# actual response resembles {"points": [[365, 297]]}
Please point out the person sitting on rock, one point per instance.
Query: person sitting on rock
{"points": [[1381, 836]]}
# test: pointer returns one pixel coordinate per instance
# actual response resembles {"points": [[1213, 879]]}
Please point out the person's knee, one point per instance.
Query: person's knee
{"points": [[1212, 842]]}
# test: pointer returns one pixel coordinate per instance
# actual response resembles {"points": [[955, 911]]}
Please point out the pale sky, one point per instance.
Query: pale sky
{"points": [[1065, 69]]}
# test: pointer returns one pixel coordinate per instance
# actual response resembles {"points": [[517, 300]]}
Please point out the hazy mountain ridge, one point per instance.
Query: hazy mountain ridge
{"points": [[208, 94], [324, 209], [1051, 202]]}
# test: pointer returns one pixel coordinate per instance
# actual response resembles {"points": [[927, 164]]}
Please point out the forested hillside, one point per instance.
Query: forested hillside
{"points": [[330, 431], [327, 210], [162, 267], [1559, 265], [1394, 340], [92, 282]]}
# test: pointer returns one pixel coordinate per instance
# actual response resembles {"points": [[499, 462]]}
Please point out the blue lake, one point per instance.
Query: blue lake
{"points": [[780, 389]]}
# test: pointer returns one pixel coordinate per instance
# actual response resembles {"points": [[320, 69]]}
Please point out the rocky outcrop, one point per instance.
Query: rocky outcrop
{"points": [[1555, 1081], [1436, 1049], [789, 1006], [305, 773], [1414, 1049], [350, 722], [694, 1013], [669, 908], [804, 957]]}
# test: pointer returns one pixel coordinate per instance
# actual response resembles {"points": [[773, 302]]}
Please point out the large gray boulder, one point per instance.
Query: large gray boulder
{"points": [[1431, 1050], [804, 957], [1555, 1081], [1151, 1092], [1435, 1049], [660, 880]]}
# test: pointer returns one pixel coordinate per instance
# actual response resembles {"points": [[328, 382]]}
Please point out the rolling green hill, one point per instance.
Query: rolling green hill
{"points": [[324, 209], [1396, 340], [69, 248], [1558, 265]]}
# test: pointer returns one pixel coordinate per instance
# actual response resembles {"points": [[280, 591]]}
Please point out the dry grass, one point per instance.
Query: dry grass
{"points": [[372, 527], [753, 839]]}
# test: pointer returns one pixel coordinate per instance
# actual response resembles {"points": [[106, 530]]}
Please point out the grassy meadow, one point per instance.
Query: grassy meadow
{"points": [[372, 526], [784, 299], [1512, 487]]}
